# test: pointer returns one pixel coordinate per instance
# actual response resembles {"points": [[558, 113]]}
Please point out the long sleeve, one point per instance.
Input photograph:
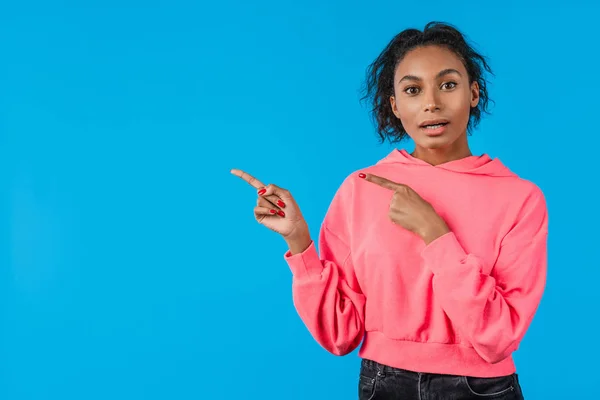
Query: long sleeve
{"points": [[325, 291], [493, 311]]}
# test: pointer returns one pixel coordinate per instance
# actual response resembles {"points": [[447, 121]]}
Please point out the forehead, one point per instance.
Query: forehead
{"points": [[428, 61]]}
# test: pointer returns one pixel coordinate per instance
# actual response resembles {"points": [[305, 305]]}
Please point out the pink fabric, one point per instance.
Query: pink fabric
{"points": [[460, 305]]}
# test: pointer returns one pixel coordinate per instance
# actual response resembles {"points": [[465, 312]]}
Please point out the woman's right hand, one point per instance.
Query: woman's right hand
{"points": [[277, 210]]}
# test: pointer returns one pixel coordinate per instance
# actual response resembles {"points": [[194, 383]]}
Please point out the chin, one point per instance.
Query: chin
{"points": [[434, 143], [444, 140]]}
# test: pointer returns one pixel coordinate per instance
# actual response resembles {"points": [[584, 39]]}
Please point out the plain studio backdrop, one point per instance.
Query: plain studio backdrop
{"points": [[131, 266]]}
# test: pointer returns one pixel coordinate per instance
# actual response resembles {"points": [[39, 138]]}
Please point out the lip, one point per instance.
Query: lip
{"points": [[435, 132], [433, 122]]}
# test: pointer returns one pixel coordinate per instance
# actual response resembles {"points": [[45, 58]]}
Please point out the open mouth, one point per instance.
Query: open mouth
{"points": [[434, 126]]}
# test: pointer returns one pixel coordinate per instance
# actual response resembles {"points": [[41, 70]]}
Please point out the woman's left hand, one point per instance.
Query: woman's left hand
{"points": [[410, 210]]}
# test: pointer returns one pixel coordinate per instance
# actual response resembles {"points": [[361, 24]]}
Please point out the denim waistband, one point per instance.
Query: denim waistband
{"points": [[372, 368]]}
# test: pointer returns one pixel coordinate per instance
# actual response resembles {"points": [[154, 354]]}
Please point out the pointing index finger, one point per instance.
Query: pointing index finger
{"points": [[248, 178], [378, 180]]}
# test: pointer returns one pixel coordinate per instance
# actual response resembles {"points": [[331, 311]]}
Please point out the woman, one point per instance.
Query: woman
{"points": [[435, 260]]}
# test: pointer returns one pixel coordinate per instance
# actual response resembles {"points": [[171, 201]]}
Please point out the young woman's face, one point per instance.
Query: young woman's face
{"points": [[431, 85]]}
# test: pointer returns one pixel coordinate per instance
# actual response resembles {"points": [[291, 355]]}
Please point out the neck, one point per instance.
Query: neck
{"points": [[456, 151]]}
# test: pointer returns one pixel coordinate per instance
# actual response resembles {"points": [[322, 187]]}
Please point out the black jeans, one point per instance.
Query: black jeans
{"points": [[381, 382]]}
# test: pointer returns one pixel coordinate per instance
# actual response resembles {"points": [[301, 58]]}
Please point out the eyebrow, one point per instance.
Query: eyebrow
{"points": [[440, 74]]}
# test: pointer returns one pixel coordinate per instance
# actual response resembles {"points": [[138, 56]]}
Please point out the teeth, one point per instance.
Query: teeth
{"points": [[434, 126]]}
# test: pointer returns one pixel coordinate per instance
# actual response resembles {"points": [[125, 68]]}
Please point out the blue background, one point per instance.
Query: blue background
{"points": [[131, 266]]}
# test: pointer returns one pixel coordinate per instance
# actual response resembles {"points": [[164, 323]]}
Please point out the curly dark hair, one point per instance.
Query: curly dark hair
{"points": [[379, 82]]}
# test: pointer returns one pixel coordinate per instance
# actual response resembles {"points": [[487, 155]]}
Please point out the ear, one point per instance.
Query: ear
{"points": [[474, 94], [394, 106]]}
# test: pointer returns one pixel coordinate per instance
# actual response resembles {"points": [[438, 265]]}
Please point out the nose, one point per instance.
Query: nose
{"points": [[432, 102]]}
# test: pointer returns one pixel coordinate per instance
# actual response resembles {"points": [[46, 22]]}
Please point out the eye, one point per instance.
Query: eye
{"points": [[411, 90], [449, 85]]}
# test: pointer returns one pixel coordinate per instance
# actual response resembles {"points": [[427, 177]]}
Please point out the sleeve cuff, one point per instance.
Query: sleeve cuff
{"points": [[306, 264], [443, 252]]}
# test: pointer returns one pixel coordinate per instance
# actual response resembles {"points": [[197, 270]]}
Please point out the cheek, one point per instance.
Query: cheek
{"points": [[408, 110], [460, 104]]}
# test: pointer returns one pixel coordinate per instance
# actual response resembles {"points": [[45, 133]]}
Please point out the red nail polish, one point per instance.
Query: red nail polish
{"points": [[280, 203], [272, 211], [361, 175], [261, 192], [281, 213]]}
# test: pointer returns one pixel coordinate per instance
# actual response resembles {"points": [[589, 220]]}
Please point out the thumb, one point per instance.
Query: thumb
{"points": [[271, 189]]}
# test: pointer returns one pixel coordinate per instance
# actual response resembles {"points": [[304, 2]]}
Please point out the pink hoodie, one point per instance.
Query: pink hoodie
{"points": [[458, 306]]}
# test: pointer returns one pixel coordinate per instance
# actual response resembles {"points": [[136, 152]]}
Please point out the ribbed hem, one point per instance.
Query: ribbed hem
{"points": [[306, 264], [433, 358]]}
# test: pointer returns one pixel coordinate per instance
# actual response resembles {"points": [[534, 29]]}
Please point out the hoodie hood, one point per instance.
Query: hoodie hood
{"points": [[476, 165]]}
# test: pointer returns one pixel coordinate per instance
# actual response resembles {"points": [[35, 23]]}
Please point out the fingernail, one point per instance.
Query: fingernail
{"points": [[361, 175], [261, 192], [281, 213], [280, 203], [272, 211]]}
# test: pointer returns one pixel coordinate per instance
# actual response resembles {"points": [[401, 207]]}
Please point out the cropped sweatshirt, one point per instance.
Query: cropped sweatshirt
{"points": [[459, 305]]}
